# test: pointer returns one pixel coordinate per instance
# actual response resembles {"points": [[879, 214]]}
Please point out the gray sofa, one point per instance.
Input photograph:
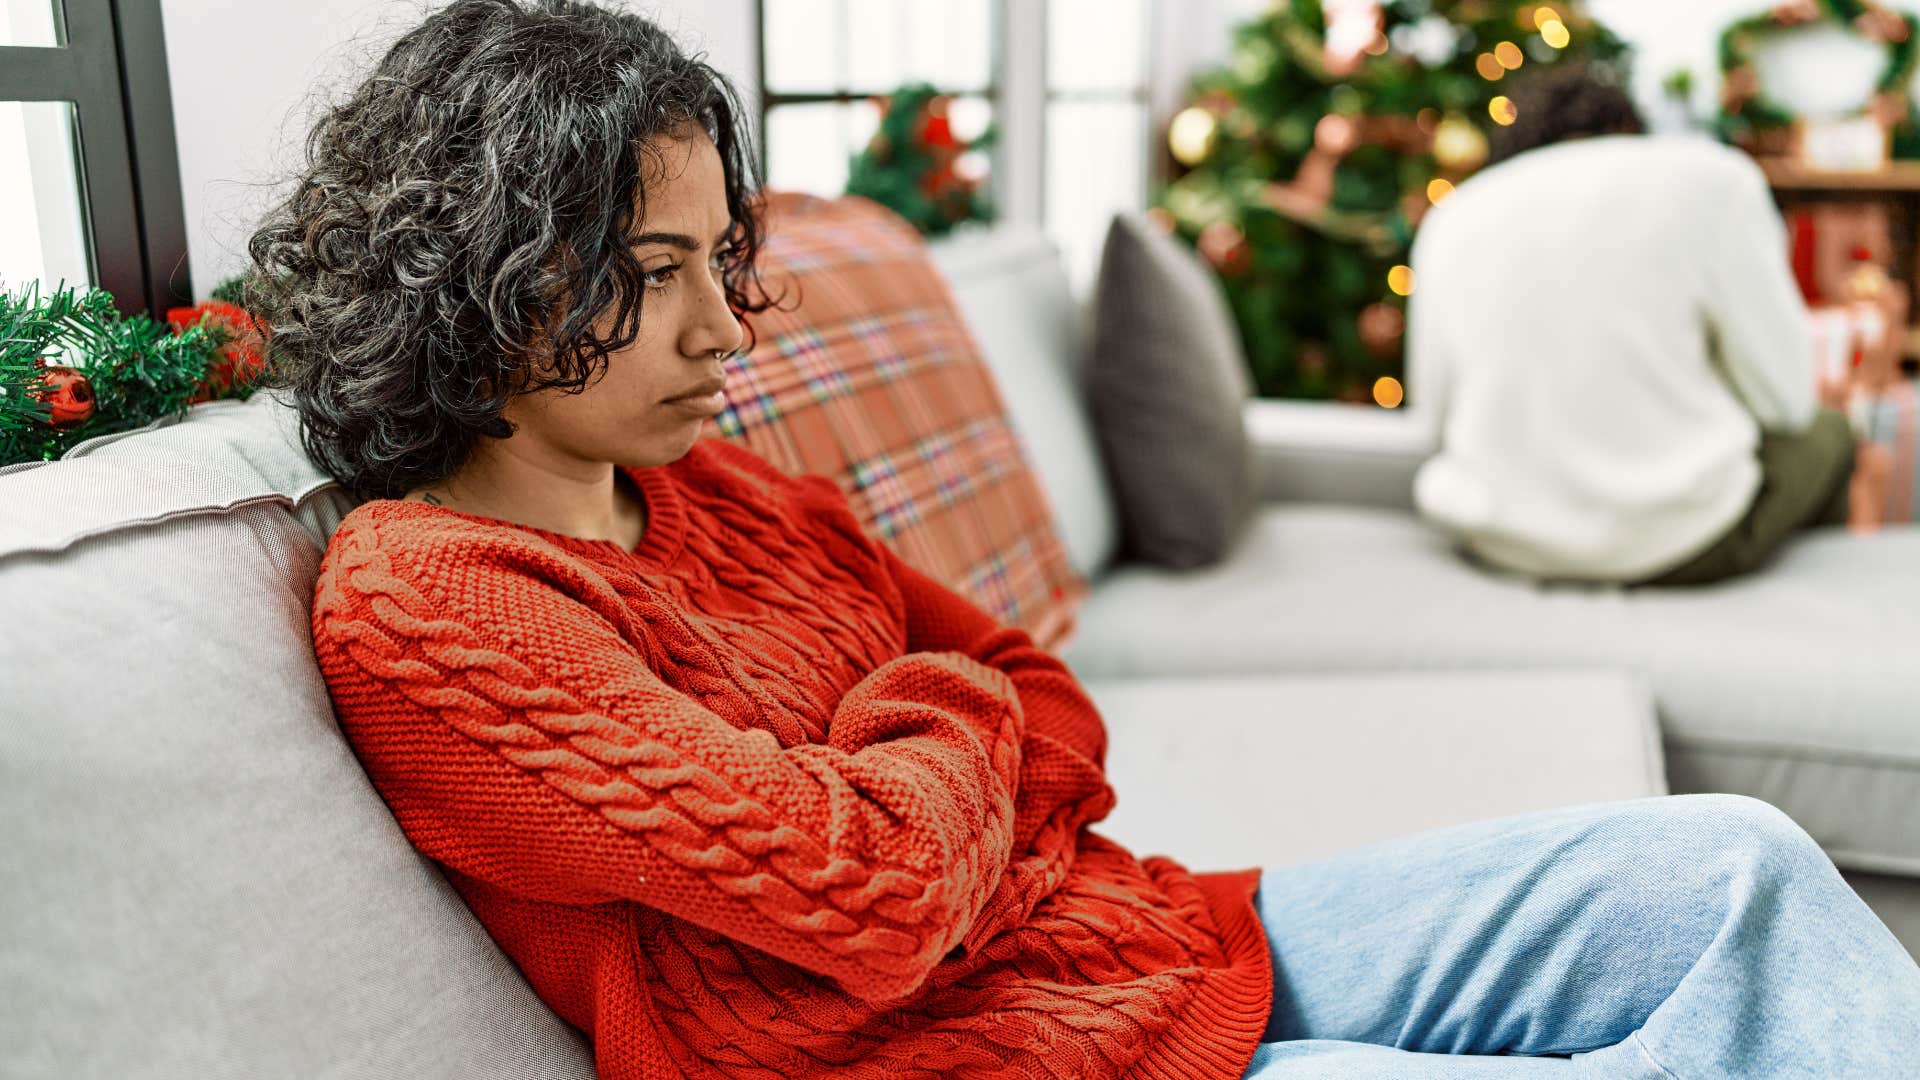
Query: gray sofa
{"points": [[1796, 685], [202, 883]]}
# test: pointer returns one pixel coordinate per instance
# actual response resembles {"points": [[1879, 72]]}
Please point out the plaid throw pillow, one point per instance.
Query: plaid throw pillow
{"points": [[867, 374]]}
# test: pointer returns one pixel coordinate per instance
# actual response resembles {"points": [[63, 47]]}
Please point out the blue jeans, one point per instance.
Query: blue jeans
{"points": [[1673, 938]]}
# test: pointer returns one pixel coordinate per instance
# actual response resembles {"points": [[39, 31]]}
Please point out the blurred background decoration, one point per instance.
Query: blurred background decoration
{"points": [[1879, 128], [916, 165], [1307, 161]]}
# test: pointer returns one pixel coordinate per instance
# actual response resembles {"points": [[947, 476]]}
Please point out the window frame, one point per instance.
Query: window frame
{"points": [[112, 69], [992, 91], [1022, 94]]}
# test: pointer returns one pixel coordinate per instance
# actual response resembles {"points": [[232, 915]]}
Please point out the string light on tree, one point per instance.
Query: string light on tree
{"points": [[1400, 280], [1387, 392], [1503, 110], [1509, 55], [1438, 188], [1489, 67], [1554, 33]]}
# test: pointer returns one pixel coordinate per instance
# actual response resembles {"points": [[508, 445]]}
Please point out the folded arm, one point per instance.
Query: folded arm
{"points": [[548, 758], [1063, 784]]}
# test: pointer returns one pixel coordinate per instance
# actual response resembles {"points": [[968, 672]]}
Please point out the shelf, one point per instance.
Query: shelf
{"points": [[1898, 176]]}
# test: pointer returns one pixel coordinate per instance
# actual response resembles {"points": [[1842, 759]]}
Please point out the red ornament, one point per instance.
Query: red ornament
{"points": [[67, 394], [240, 360], [935, 130], [1224, 246]]}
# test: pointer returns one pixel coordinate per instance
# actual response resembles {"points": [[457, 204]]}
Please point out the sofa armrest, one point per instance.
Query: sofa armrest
{"points": [[1330, 452], [1231, 772]]}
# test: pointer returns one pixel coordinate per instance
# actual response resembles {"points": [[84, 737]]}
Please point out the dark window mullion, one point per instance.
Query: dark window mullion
{"points": [[770, 100], [86, 73], [147, 110], [106, 167]]}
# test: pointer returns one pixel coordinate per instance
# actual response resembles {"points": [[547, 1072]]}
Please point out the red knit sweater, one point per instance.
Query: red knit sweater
{"points": [[756, 799]]}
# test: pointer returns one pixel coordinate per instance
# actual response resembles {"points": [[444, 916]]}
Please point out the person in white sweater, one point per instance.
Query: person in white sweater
{"points": [[1606, 340]]}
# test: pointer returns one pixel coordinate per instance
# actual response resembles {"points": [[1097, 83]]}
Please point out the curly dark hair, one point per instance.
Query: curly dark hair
{"points": [[1562, 102], [461, 224]]}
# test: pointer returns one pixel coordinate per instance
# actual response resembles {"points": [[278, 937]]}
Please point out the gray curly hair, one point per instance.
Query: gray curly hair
{"points": [[463, 216]]}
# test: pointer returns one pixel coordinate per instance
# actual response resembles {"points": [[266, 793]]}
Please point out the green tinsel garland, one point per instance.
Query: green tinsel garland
{"points": [[138, 370]]}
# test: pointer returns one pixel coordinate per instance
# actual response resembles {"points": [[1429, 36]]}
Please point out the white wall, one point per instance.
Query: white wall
{"points": [[248, 75]]}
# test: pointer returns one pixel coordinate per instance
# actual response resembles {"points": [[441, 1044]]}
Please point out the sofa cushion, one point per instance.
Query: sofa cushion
{"points": [[866, 373], [1259, 773], [1032, 330], [1786, 685], [1167, 381], [200, 879], [232, 454]]}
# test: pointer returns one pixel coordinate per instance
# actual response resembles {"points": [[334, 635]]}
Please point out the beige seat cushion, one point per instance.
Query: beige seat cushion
{"points": [[1791, 685], [200, 881], [1268, 771]]}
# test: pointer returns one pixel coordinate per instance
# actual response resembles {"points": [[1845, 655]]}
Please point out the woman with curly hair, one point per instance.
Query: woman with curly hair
{"points": [[744, 795]]}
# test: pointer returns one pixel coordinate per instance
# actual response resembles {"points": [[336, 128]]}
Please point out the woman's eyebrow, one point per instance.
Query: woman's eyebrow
{"points": [[679, 240]]}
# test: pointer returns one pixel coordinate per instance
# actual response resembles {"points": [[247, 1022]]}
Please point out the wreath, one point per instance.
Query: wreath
{"points": [[1749, 118]]}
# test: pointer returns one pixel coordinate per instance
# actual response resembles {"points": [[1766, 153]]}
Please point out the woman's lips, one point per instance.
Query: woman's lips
{"points": [[701, 404]]}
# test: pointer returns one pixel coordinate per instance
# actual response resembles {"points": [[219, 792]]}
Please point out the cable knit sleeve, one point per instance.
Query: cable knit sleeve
{"points": [[1062, 782], [521, 739]]}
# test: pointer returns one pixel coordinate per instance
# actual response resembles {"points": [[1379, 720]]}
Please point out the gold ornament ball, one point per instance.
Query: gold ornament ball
{"points": [[1459, 146], [1191, 135]]}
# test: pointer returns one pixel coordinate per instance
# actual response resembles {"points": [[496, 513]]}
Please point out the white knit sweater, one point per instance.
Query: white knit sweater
{"points": [[1599, 331]]}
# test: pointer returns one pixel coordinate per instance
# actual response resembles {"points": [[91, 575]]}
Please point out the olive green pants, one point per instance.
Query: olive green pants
{"points": [[1803, 482]]}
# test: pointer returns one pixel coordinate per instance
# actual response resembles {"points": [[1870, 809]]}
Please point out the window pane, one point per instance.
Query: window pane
{"points": [[950, 42], [42, 224], [1096, 166], [876, 45], [1096, 44], [808, 145], [862, 120], [31, 22], [802, 42]]}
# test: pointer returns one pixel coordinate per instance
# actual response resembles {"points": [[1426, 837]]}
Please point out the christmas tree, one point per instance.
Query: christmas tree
{"points": [[1310, 157]]}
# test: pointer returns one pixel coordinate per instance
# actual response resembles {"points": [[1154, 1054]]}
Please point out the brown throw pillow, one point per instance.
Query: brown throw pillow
{"points": [[1167, 383]]}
